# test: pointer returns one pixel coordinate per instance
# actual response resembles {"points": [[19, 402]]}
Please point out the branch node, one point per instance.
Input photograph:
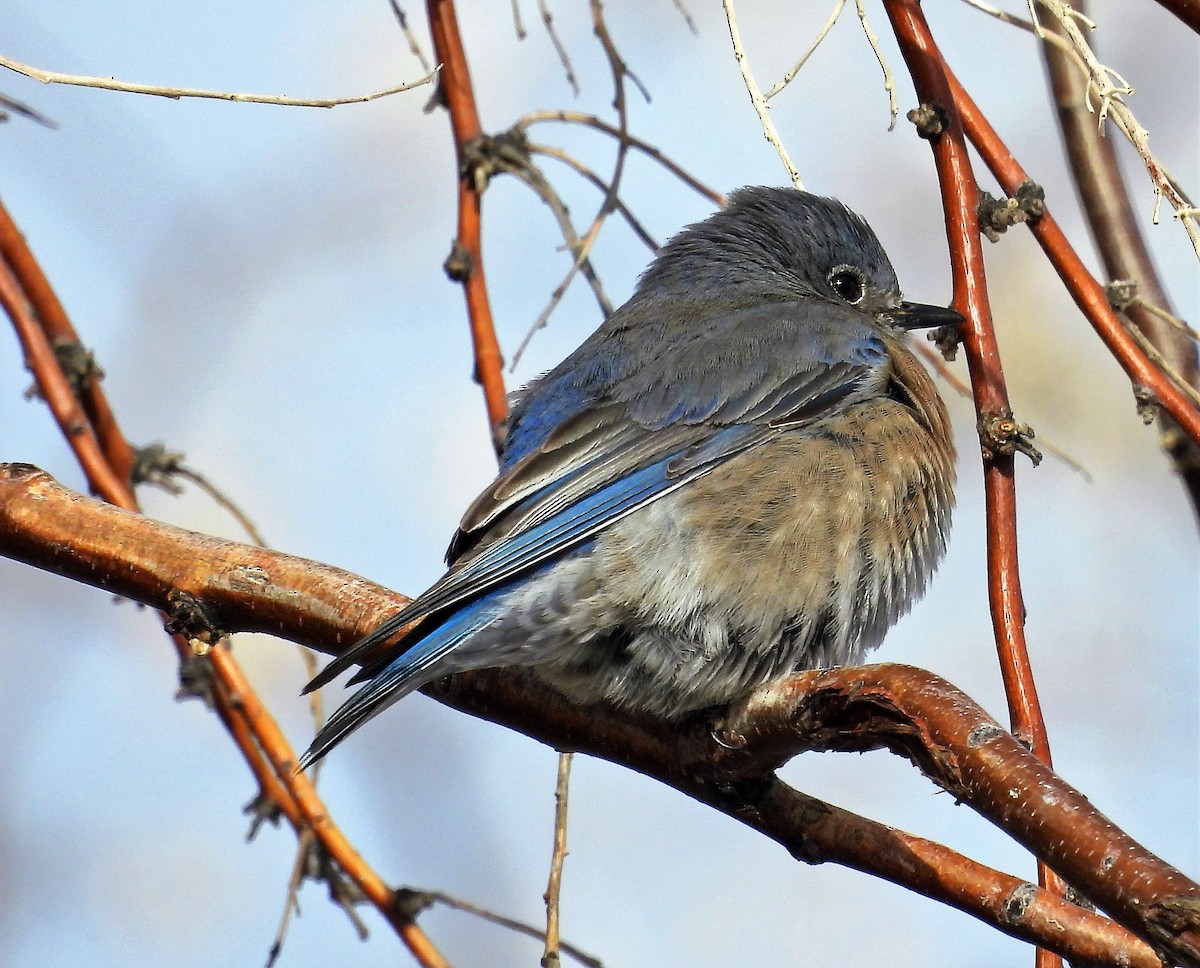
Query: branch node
{"points": [[459, 263], [154, 464], [1018, 902], [410, 902], [947, 339], [1000, 433], [1028, 202], [261, 809], [1121, 293], [489, 155], [78, 364], [1147, 402], [188, 616], [930, 121]]}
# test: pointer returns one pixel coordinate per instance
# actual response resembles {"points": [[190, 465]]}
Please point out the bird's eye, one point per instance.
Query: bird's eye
{"points": [[848, 282]]}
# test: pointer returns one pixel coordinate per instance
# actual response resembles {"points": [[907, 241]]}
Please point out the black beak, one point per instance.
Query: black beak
{"points": [[910, 315]]}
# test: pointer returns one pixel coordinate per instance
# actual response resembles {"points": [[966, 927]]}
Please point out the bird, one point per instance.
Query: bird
{"points": [[743, 473]]}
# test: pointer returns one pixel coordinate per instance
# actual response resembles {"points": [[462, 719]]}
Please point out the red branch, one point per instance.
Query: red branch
{"points": [[466, 262], [1088, 294], [960, 195], [906, 710], [35, 312], [57, 329]]}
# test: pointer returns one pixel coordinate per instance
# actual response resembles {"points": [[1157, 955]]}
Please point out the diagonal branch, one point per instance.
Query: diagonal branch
{"points": [[906, 710], [1105, 199]]}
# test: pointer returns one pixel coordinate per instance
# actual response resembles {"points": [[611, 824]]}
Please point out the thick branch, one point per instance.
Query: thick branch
{"points": [[960, 194], [903, 709]]}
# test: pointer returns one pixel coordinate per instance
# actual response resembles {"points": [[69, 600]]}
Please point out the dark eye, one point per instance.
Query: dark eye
{"points": [[847, 282]]}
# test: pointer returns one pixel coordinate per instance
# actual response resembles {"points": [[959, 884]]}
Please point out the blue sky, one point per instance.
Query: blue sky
{"points": [[263, 287]]}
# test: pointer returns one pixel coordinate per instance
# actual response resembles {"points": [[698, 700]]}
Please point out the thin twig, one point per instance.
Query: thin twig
{"points": [[222, 500], [518, 24], [563, 57], [291, 904], [761, 107], [413, 46], [584, 171], [687, 17], [24, 110], [520, 927], [889, 83], [550, 959], [175, 93], [591, 121], [537, 183], [787, 78], [620, 71]]}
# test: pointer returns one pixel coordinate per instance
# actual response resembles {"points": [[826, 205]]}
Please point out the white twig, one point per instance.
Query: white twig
{"points": [[1032, 26], [889, 82], [112, 84], [761, 108], [1110, 90], [791, 74]]}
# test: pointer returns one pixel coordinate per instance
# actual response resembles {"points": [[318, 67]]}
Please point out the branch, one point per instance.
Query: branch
{"points": [[1089, 295], [960, 201], [1188, 11], [960, 195], [465, 264], [175, 93], [1105, 199], [906, 710]]}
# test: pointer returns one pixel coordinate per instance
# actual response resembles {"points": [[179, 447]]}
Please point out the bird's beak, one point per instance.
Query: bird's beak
{"points": [[909, 315]]}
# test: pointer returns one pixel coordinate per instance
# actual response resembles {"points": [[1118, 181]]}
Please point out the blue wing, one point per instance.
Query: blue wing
{"points": [[590, 444]]}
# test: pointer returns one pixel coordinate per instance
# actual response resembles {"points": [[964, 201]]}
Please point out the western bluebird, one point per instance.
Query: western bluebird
{"points": [[744, 472]]}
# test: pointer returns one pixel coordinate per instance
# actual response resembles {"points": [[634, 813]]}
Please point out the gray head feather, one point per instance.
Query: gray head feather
{"points": [[776, 241]]}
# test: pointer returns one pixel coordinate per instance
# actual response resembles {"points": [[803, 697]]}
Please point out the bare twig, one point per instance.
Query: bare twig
{"points": [[761, 107], [175, 93], [414, 46], [591, 121], [620, 72], [24, 110], [554, 888], [795, 69], [550, 151], [1110, 90], [563, 57], [889, 83], [520, 927]]}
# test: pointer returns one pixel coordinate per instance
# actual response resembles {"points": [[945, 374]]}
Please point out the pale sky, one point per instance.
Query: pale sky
{"points": [[263, 287]]}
